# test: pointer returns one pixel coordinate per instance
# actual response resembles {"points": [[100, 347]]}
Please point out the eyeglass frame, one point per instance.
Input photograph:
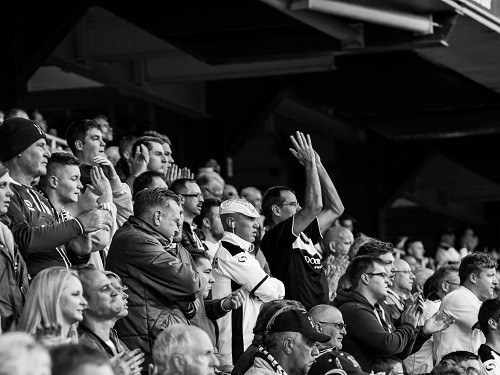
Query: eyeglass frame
{"points": [[197, 195], [382, 274], [294, 204], [339, 326], [451, 282]]}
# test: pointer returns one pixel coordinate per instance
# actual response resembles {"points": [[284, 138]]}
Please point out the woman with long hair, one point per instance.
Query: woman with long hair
{"points": [[14, 275], [54, 299]]}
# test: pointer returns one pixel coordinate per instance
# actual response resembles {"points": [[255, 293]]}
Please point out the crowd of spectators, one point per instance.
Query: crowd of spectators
{"points": [[117, 261]]}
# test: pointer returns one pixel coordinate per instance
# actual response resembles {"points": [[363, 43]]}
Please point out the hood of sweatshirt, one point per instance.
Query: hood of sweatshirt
{"points": [[349, 295]]}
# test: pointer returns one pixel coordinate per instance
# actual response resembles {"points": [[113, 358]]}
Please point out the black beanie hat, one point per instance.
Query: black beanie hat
{"points": [[16, 135]]}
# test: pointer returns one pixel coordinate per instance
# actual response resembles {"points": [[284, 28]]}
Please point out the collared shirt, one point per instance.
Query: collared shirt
{"points": [[211, 247], [235, 267], [464, 306]]}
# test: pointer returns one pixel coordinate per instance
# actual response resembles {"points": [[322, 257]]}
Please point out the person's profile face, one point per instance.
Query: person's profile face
{"points": [[485, 284], [389, 266], [6, 193], [72, 302]]}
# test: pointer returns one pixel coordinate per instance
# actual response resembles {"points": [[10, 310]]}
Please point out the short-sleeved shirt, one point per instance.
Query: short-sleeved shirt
{"points": [[490, 360], [295, 261]]}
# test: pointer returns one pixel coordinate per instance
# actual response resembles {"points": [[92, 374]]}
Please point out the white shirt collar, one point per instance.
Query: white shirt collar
{"points": [[238, 241]]}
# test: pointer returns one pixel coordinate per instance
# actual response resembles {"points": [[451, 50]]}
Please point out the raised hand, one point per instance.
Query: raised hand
{"points": [[106, 165], [173, 173], [302, 148], [100, 183], [95, 220], [438, 322], [412, 314], [186, 173], [141, 160]]}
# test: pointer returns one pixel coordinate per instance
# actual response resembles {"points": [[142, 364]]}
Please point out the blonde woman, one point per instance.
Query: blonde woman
{"points": [[54, 299]]}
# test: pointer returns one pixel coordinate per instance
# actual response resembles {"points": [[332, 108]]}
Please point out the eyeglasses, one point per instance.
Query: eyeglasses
{"points": [[339, 326], [452, 283], [381, 274], [197, 195], [294, 204]]}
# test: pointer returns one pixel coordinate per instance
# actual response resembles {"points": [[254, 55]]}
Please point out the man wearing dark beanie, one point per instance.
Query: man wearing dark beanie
{"points": [[40, 235]]}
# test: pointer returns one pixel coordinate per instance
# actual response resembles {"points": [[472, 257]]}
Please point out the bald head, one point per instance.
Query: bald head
{"points": [[329, 321], [421, 276], [321, 313], [338, 240]]}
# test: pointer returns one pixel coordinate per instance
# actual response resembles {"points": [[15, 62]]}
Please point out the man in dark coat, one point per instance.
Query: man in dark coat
{"points": [[162, 279]]}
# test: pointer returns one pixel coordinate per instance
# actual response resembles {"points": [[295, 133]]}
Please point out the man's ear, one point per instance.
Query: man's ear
{"points": [[473, 278], [79, 145], [206, 222], [178, 361], [445, 287], [492, 324], [157, 217], [331, 246], [276, 210], [53, 181], [288, 345]]}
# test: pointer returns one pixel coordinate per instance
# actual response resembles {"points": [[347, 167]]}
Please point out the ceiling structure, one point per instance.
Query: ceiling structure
{"points": [[348, 75]]}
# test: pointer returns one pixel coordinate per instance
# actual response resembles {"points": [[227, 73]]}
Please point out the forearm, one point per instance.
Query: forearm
{"points": [[331, 198], [312, 197]]}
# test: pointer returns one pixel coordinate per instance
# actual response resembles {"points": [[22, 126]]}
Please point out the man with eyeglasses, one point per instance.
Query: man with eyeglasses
{"points": [[400, 289], [105, 302], [369, 331], [162, 279], [289, 245], [192, 202], [329, 320], [477, 272]]}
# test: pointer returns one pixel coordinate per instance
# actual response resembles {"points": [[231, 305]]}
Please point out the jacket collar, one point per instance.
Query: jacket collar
{"points": [[149, 229], [238, 241]]}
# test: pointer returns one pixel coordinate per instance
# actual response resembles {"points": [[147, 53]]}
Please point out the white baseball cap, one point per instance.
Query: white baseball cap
{"points": [[240, 206]]}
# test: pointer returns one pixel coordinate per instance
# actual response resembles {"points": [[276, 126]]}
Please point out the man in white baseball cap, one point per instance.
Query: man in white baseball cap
{"points": [[236, 267]]}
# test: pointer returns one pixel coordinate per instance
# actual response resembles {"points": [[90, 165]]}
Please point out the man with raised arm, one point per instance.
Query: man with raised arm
{"points": [[289, 244]]}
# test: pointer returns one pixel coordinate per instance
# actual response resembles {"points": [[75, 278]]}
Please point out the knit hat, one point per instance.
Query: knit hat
{"points": [[16, 135]]}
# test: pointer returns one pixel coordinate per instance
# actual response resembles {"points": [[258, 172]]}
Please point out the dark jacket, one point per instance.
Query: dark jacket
{"points": [[366, 337], [162, 283], [39, 233], [89, 338], [13, 286], [189, 242]]}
